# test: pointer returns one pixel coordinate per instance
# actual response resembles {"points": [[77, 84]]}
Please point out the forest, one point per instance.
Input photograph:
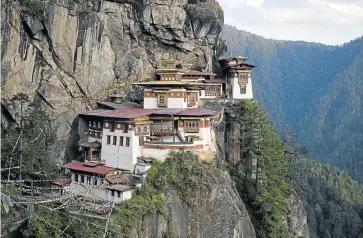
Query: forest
{"points": [[315, 88], [332, 199]]}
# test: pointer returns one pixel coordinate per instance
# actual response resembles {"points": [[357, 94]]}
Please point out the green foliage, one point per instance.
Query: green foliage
{"points": [[264, 168], [34, 8], [44, 224], [317, 89], [33, 140], [333, 200], [181, 172]]}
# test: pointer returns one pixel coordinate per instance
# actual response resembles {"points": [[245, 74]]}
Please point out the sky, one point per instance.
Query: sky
{"points": [[331, 22]]}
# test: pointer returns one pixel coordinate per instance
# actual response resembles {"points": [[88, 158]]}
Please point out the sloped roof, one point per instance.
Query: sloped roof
{"points": [[80, 166]]}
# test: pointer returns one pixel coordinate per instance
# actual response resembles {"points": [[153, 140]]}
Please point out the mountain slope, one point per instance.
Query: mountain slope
{"points": [[315, 88]]}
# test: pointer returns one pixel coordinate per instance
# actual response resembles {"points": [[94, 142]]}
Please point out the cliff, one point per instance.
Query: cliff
{"points": [[66, 54], [197, 200]]}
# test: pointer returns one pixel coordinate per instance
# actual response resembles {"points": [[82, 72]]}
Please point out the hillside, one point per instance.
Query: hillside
{"points": [[316, 89]]}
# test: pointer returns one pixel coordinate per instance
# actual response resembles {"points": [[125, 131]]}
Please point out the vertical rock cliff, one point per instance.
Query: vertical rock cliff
{"points": [[68, 53]]}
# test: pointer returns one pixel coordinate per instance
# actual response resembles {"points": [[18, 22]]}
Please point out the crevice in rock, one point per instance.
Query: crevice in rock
{"points": [[45, 100]]}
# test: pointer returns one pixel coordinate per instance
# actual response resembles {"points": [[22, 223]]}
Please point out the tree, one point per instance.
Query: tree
{"points": [[264, 168], [28, 146]]}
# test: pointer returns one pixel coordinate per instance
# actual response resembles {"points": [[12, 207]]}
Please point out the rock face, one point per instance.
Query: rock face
{"points": [[297, 218], [218, 212], [61, 56]]}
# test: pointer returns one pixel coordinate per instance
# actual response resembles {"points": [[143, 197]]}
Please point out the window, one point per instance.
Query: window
{"points": [[114, 142], [112, 127], [243, 89], [145, 129], [88, 180], [94, 124], [94, 181], [121, 141], [82, 178], [99, 124], [99, 135], [89, 124], [127, 141], [162, 100], [108, 140], [212, 90], [243, 79], [139, 128], [118, 194], [191, 126], [192, 99], [91, 133], [76, 177], [112, 193], [126, 128]]}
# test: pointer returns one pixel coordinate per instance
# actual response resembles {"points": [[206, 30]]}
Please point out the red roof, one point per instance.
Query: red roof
{"points": [[167, 111], [185, 112], [80, 166], [127, 113], [117, 179], [193, 72], [62, 181], [121, 188], [197, 112]]}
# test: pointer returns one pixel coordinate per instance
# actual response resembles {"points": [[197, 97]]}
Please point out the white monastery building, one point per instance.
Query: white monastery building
{"points": [[116, 135]]}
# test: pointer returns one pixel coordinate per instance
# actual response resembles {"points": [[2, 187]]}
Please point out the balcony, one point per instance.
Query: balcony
{"points": [[163, 132]]}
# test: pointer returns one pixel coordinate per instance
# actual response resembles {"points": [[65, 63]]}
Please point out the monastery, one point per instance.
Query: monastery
{"points": [[118, 138]]}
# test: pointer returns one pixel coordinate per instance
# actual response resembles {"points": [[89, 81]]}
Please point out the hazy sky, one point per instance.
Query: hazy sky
{"points": [[326, 21]]}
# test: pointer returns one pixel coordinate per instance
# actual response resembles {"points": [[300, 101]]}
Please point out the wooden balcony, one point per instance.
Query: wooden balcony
{"points": [[163, 132]]}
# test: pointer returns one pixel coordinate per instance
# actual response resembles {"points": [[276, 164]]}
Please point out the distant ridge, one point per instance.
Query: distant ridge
{"points": [[315, 88]]}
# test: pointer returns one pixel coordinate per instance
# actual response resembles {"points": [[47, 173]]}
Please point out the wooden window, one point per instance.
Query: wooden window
{"points": [[91, 134], [94, 181], [76, 177], [112, 193], [191, 126], [99, 124], [126, 128], [145, 129], [89, 124], [212, 90], [108, 140], [192, 99], [127, 141], [82, 178], [118, 194], [88, 180], [114, 142], [243, 79], [94, 124], [162, 100], [139, 129], [242, 89], [112, 126], [121, 143]]}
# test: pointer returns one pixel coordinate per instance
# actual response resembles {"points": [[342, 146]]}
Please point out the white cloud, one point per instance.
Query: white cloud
{"points": [[255, 3], [326, 21]]}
